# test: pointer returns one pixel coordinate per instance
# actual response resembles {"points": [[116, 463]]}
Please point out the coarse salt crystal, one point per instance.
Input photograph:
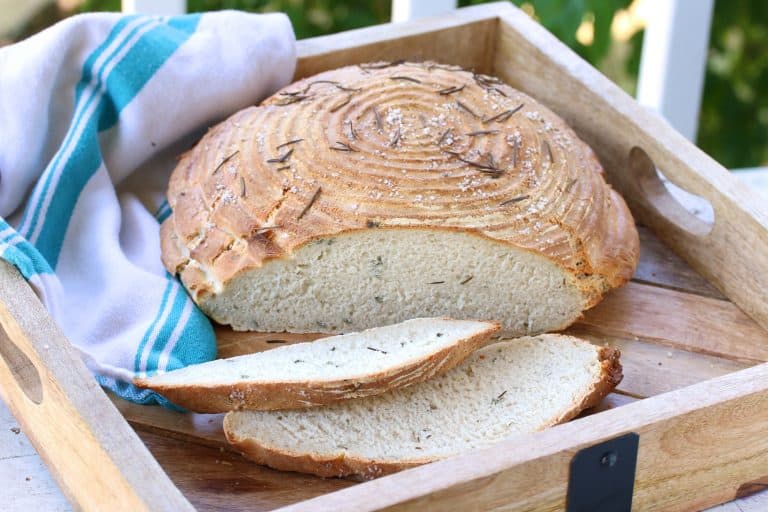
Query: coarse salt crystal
{"points": [[394, 116], [228, 197], [533, 115]]}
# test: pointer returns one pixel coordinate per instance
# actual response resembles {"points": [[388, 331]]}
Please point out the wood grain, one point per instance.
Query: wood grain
{"points": [[612, 401], [651, 369], [202, 429], [221, 480], [681, 320], [233, 343], [660, 266], [93, 454], [27, 485]]}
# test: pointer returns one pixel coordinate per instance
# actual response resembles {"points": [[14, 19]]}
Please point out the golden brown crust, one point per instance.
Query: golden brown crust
{"points": [[268, 396], [610, 377], [339, 464], [368, 146]]}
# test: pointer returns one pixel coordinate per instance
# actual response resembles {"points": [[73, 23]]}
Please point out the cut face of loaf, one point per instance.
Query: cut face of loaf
{"points": [[375, 193], [502, 390], [326, 370], [384, 276]]}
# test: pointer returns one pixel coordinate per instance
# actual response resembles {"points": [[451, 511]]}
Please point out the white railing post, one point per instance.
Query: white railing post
{"points": [[675, 46], [156, 7], [404, 10]]}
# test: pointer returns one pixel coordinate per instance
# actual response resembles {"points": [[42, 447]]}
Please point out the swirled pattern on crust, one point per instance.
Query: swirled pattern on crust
{"points": [[404, 145]]}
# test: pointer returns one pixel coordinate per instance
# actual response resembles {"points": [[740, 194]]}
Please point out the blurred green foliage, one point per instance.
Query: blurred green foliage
{"points": [[563, 17], [309, 17], [734, 116], [733, 127]]}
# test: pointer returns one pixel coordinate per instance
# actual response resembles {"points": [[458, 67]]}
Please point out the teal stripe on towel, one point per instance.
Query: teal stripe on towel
{"points": [[112, 76], [171, 323], [22, 254], [127, 78], [82, 103], [163, 212], [130, 392], [151, 328], [183, 354]]}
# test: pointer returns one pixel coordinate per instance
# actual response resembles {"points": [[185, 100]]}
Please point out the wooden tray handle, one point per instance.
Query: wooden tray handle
{"points": [[659, 198], [97, 459], [733, 252]]}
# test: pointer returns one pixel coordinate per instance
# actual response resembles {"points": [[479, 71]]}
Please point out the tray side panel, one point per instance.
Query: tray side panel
{"points": [[468, 34], [93, 454], [698, 447], [734, 254]]}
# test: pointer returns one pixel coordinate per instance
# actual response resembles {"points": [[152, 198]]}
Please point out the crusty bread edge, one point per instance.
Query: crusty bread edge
{"points": [[610, 377], [268, 396], [339, 464], [346, 465]]}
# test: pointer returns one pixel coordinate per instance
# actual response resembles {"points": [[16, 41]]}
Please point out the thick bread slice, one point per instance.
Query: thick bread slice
{"points": [[326, 370], [371, 194], [502, 390]]}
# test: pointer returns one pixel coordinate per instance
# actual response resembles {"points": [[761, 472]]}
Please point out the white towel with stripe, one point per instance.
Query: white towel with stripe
{"points": [[94, 111]]}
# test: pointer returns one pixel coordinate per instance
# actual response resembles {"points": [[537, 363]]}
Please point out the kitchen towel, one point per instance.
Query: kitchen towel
{"points": [[93, 113]]}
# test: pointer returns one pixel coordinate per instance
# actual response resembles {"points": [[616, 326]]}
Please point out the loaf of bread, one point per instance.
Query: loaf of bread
{"points": [[376, 193], [502, 390], [325, 371]]}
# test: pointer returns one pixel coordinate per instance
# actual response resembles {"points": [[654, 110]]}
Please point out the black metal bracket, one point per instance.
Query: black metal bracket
{"points": [[602, 476]]}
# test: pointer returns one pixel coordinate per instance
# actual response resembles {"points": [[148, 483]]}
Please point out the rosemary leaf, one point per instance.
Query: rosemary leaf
{"points": [[515, 200], [294, 141], [482, 132], [282, 158], [311, 202], [225, 160], [464, 107], [450, 90], [407, 78]]}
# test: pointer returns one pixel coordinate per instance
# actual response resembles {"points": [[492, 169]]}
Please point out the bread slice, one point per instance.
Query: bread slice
{"points": [[364, 196], [326, 370], [502, 390]]}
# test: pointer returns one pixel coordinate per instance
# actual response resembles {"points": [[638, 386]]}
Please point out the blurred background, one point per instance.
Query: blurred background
{"points": [[733, 123]]}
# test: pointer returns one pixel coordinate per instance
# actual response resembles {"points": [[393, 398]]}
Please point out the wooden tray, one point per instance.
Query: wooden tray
{"points": [[695, 386]]}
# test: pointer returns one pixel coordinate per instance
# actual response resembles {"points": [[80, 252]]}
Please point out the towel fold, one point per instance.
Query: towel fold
{"points": [[94, 111]]}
